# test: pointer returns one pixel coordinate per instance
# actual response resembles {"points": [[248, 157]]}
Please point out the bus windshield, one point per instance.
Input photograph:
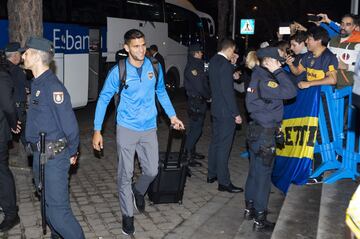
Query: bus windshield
{"points": [[94, 12]]}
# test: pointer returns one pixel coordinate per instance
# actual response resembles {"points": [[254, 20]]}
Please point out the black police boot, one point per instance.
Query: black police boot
{"points": [[261, 224], [249, 212], [128, 225], [139, 200], [9, 222]]}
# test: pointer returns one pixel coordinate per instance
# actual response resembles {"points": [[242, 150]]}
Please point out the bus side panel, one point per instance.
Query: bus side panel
{"points": [[155, 33], [76, 78], [177, 58]]}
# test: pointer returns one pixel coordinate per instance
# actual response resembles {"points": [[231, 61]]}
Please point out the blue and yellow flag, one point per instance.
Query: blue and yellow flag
{"points": [[300, 126]]}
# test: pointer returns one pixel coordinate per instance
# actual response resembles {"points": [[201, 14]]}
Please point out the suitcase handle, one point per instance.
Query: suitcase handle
{"points": [[169, 145]]}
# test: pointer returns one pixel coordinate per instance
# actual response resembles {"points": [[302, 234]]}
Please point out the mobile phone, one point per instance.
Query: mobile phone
{"points": [[314, 18], [290, 52], [284, 30]]}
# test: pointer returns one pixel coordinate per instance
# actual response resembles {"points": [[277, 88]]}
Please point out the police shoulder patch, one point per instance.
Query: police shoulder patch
{"points": [[58, 97], [194, 72], [272, 84]]}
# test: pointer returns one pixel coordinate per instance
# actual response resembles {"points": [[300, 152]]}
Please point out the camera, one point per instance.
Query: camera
{"points": [[314, 18]]}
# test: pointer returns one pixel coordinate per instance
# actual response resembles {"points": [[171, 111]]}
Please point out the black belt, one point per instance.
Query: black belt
{"points": [[52, 148], [20, 104], [197, 97], [265, 130]]}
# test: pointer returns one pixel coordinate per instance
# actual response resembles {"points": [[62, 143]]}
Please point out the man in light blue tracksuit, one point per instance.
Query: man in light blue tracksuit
{"points": [[136, 123]]}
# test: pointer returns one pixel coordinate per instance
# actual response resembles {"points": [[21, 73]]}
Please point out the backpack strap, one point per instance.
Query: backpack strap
{"points": [[155, 64], [122, 74], [122, 79]]}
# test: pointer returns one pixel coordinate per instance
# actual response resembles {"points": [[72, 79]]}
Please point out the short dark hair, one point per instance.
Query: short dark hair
{"points": [[282, 45], [319, 33], [354, 17], [226, 43], [133, 34], [299, 36], [154, 48]]}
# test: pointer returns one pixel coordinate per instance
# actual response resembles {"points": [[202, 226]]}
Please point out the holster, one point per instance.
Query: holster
{"points": [[194, 109], [52, 148], [266, 150], [267, 154]]}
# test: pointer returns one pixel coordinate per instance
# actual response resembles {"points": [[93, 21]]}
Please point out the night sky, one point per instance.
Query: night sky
{"points": [[270, 13]]}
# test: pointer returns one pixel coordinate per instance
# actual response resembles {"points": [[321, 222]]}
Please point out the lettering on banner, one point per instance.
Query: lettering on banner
{"points": [[300, 137]]}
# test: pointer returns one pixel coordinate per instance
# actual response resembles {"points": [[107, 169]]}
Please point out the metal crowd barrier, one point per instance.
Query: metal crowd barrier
{"points": [[339, 152]]}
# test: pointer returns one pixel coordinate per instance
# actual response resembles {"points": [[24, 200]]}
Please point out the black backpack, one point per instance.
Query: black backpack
{"points": [[122, 78]]}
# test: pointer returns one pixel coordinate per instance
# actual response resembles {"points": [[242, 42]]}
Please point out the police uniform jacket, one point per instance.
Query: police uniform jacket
{"points": [[50, 111], [20, 82], [7, 107], [265, 95], [222, 87], [196, 80]]}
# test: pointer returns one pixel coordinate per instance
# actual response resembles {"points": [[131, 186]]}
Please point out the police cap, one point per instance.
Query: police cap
{"points": [[271, 52], [13, 47], [195, 47], [39, 43]]}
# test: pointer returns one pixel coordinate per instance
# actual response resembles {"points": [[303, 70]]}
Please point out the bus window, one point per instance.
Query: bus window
{"points": [[55, 11], [85, 13], [95, 12], [148, 10], [184, 26]]}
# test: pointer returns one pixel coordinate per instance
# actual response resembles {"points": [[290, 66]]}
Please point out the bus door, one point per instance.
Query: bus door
{"points": [[94, 63]]}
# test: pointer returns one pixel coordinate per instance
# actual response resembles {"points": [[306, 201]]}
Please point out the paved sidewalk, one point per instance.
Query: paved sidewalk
{"points": [[205, 212]]}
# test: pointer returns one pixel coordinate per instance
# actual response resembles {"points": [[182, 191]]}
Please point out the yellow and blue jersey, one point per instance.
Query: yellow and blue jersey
{"points": [[316, 68]]}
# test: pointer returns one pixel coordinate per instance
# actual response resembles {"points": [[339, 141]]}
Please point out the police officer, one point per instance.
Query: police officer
{"points": [[21, 84], [269, 86], [50, 111], [198, 91], [8, 123]]}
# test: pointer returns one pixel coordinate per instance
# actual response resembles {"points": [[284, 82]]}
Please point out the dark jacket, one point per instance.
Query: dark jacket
{"points": [[20, 82], [7, 107], [222, 88], [265, 95], [161, 60], [50, 111], [196, 81]]}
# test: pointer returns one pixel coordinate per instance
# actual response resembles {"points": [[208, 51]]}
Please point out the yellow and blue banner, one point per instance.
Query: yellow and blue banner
{"points": [[300, 126]]}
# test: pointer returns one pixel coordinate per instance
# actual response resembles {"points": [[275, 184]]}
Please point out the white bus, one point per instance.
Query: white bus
{"points": [[87, 33]]}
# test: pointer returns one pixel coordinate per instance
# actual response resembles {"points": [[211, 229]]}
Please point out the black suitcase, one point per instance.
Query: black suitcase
{"points": [[169, 184]]}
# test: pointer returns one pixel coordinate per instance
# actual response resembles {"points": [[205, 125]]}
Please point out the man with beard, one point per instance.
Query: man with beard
{"points": [[346, 49]]}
